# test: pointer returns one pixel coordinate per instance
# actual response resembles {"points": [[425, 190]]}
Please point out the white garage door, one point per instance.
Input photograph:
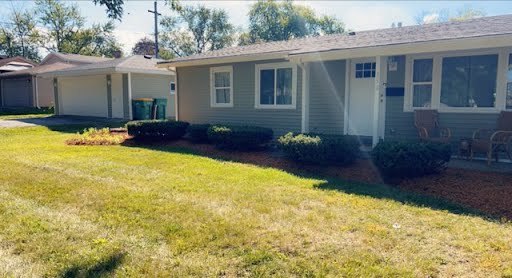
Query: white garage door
{"points": [[17, 92], [83, 96]]}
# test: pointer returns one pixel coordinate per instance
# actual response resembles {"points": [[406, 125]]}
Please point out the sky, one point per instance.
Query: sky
{"points": [[357, 15]]}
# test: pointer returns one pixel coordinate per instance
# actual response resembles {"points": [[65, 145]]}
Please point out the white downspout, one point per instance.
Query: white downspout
{"points": [[130, 95], [305, 97]]}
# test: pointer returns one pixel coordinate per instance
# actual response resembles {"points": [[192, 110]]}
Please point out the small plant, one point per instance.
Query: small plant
{"points": [[93, 136], [320, 148], [198, 133], [410, 159], [157, 129], [240, 137]]}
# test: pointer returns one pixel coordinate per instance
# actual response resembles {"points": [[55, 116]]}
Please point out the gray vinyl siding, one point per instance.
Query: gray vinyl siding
{"points": [[400, 124], [194, 100], [327, 97]]}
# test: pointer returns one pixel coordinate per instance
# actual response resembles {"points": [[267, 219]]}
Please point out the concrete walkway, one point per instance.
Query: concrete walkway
{"points": [[53, 121]]}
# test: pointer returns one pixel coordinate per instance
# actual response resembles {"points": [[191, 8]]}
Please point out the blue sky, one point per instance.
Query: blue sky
{"points": [[357, 15]]}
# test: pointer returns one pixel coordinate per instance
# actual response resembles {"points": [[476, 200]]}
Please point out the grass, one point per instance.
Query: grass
{"points": [[129, 211], [8, 113]]}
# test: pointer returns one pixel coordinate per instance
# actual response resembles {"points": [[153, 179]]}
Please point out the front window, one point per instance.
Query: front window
{"points": [[422, 83], [469, 81], [221, 87], [275, 86], [509, 82]]}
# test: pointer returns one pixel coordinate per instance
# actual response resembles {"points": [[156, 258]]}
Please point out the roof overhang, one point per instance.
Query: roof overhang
{"points": [[497, 41], [223, 60], [103, 71], [491, 41]]}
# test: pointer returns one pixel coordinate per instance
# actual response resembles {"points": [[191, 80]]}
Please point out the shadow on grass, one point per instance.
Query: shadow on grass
{"points": [[101, 269], [327, 182]]}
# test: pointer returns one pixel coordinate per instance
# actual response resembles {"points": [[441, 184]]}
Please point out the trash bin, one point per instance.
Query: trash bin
{"points": [[142, 108], [159, 106]]}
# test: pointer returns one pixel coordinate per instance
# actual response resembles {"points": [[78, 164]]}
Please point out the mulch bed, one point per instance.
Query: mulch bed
{"points": [[488, 192]]}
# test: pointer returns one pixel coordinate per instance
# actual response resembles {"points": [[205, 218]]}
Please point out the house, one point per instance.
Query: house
{"points": [[361, 83], [15, 64], [26, 88], [105, 89]]}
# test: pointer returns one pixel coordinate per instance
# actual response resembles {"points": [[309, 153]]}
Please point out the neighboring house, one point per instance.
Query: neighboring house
{"points": [[15, 64], [362, 83], [106, 89], [26, 88]]}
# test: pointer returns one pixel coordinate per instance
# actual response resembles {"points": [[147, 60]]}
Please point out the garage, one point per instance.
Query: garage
{"points": [[17, 92], [106, 89], [83, 96]]}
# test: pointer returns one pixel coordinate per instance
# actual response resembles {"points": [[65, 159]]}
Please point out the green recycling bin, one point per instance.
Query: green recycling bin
{"points": [[159, 106], [142, 108]]}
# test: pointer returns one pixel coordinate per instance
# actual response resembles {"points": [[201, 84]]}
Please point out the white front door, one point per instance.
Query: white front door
{"points": [[361, 96]]}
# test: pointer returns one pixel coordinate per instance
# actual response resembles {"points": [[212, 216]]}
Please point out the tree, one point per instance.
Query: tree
{"points": [[196, 29], [467, 13], [20, 37], [146, 46], [277, 21], [65, 31]]}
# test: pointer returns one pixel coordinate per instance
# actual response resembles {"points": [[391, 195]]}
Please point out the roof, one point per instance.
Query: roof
{"points": [[76, 58], [480, 27], [38, 69], [17, 59], [135, 63]]}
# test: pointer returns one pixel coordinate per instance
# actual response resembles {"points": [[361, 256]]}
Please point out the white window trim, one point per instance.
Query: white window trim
{"points": [[437, 76], [213, 95], [275, 66]]}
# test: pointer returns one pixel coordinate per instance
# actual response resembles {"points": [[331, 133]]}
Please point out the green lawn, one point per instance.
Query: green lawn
{"points": [[126, 211]]}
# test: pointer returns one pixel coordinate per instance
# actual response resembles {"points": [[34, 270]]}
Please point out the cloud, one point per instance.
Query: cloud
{"points": [[431, 18], [128, 38]]}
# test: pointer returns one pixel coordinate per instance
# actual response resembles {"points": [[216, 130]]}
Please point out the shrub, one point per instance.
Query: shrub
{"points": [[198, 133], [93, 136], [320, 148], [239, 137], [410, 159], [157, 129]]}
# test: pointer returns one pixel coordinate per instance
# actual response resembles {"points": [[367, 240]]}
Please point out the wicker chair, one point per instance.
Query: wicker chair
{"points": [[427, 123], [494, 141]]}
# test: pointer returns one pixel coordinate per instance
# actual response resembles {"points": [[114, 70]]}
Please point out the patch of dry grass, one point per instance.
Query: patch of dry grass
{"points": [[96, 136], [128, 211]]}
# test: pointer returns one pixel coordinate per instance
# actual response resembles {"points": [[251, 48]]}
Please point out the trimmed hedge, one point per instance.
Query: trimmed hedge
{"points": [[198, 133], [157, 129], [239, 137], [410, 159], [320, 148]]}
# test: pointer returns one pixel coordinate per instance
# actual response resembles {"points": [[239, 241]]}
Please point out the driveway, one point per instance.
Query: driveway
{"points": [[53, 121]]}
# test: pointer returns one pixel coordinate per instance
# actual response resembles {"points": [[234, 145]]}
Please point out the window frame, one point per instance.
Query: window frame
{"points": [[413, 83], [500, 102], [275, 67], [213, 89]]}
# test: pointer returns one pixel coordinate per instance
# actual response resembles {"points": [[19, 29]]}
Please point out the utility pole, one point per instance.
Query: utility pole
{"points": [[155, 12]]}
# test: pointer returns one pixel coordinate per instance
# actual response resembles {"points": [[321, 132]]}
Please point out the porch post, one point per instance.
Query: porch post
{"points": [[378, 109], [305, 97], [130, 95]]}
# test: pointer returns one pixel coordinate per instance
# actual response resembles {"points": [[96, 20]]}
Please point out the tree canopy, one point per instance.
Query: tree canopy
{"points": [[19, 37], [465, 13], [196, 29], [276, 21]]}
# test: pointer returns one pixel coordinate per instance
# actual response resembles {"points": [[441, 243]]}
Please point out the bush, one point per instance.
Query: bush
{"points": [[93, 136], [320, 148], [239, 137], [410, 159], [157, 129], [198, 133]]}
